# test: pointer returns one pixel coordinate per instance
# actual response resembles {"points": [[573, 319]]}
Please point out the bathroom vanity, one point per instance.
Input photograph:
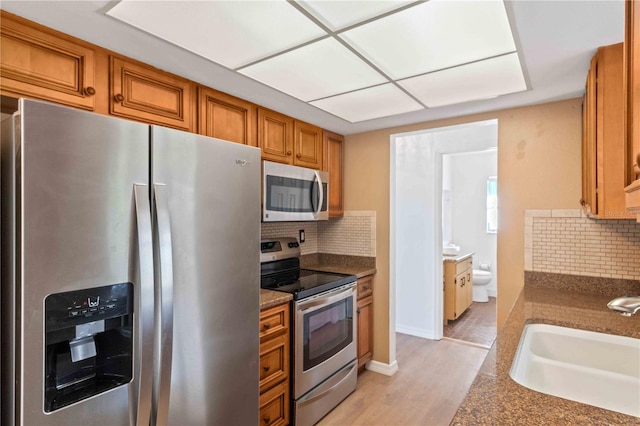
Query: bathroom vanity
{"points": [[458, 284]]}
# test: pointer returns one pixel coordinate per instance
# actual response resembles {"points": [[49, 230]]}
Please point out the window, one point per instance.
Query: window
{"points": [[492, 205]]}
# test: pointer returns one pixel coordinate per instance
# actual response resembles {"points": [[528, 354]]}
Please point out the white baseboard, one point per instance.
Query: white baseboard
{"points": [[413, 331], [382, 368]]}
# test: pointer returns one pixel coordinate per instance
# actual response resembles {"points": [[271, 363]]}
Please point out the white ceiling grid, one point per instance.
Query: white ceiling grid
{"points": [[358, 60]]}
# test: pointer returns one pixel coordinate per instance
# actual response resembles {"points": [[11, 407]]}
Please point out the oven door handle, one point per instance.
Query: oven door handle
{"points": [[330, 298]]}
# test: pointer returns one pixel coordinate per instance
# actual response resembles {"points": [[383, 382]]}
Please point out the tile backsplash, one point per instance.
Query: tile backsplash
{"points": [[354, 234], [566, 242]]}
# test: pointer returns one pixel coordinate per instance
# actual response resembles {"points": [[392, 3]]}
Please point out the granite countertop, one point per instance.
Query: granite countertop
{"points": [[456, 257], [341, 264], [270, 298], [494, 398]]}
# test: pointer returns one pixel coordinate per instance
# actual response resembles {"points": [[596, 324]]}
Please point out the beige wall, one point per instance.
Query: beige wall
{"points": [[539, 167]]}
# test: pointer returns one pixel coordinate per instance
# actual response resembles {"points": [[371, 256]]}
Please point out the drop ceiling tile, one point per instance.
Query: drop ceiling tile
{"points": [[434, 35], [231, 33], [314, 71], [480, 80], [370, 103], [341, 14]]}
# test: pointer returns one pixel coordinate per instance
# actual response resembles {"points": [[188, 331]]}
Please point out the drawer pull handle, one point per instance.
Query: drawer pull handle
{"points": [[288, 152], [298, 155], [266, 419], [365, 288], [118, 98], [266, 368], [358, 310], [89, 91], [267, 326]]}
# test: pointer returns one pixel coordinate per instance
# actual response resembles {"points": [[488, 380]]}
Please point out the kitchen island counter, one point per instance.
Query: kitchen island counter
{"points": [[494, 398]]}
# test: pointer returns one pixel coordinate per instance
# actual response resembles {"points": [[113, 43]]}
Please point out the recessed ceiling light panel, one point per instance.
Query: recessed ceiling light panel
{"points": [[314, 71], [370, 103], [231, 33], [480, 80], [434, 35], [341, 14]]}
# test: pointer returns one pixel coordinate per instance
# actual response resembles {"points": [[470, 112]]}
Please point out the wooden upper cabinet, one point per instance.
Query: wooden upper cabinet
{"points": [[603, 141], [37, 64], [147, 94], [225, 117], [333, 163], [275, 136], [307, 148], [632, 103]]}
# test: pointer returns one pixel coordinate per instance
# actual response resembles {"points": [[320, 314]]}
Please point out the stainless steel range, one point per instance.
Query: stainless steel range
{"points": [[324, 329]]}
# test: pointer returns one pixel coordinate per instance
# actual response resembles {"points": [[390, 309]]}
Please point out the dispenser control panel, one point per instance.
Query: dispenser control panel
{"points": [[82, 306]]}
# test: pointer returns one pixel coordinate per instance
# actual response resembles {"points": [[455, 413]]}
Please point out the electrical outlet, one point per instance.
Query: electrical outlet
{"points": [[301, 232]]}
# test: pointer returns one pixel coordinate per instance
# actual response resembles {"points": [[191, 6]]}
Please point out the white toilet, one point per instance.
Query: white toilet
{"points": [[481, 278]]}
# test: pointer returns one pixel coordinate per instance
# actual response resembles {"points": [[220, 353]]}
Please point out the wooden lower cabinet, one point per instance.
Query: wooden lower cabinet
{"points": [[143, 93], [35, 63], [458, 287], [365, 320], [274, 406], [274, 366]]}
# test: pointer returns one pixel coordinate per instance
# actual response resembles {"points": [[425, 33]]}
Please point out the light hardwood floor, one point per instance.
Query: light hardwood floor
{"points": [[433, 379]]}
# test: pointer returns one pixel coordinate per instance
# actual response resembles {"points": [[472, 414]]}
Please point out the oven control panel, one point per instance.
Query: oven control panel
{"points": [[278, 249]]}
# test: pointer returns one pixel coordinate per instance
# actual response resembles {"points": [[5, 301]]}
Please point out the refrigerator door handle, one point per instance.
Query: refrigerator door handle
{"points": [[164, 302], [143, 370]]}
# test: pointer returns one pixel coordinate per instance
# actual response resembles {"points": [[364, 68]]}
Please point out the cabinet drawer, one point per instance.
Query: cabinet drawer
{"points": [[274, 361], [150, 95], [274, 406], [274, 322], [365, 286], [463, 265], [39, 65]]}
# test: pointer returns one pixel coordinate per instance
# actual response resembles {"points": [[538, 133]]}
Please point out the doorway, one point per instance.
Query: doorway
{"points": [[416, 235], [469, 234]]}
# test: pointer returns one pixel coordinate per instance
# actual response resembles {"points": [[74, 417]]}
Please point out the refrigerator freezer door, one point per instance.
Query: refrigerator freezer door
{"points": [[213, 195], [76, 173]]}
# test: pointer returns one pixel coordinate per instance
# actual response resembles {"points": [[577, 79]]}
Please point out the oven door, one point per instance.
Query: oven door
{"points": [[325, 336], [293, 193]]}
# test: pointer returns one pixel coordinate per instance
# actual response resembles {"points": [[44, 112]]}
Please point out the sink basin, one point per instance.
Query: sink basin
{"points": [[598, 369]]}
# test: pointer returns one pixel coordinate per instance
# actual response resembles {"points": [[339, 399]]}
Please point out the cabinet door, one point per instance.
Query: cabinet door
{"points": [[150, 95], [274, 362], [225, 117], [308, 146], [632, 115], [365, 330], [274, 406], [275, 136], [36, 64], [461, 302], [333, 163], [469, 286]]}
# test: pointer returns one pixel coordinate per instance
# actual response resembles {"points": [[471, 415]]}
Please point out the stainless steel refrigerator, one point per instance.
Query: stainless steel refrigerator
{"points": [[130, 291]]}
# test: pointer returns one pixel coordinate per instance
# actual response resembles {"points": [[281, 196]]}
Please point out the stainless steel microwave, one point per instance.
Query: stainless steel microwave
{"points": [[293, 193]]}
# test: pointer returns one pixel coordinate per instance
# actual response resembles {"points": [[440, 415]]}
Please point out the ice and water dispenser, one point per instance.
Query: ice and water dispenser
{"points": [[89, 343]]}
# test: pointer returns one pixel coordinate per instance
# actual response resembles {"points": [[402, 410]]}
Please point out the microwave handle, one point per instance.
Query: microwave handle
{"points": [[321, 194]]}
